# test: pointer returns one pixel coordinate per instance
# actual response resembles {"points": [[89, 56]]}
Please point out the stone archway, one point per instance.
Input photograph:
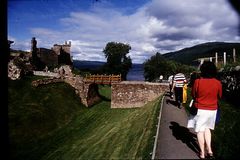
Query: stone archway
{"points": [[92, 94]]}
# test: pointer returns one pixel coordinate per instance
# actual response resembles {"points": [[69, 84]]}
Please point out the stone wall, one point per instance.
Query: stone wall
{"points": [[125, 94], [65, 47], [87, 92], [46, 74], [132, 94], [45, 81]]}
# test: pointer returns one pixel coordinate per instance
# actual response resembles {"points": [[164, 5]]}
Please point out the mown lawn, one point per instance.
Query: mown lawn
{"points": [[225, 137], [49, 122]]}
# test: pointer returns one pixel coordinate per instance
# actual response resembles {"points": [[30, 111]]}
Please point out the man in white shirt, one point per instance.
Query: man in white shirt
{"points": [[178, 82]]}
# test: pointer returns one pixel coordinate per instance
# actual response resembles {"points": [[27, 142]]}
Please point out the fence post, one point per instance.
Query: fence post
{"points": [[234, 55], [216, 59], [224, 58]]}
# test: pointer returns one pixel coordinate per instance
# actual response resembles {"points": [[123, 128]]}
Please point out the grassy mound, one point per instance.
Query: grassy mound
{"points": [[49, 122]]}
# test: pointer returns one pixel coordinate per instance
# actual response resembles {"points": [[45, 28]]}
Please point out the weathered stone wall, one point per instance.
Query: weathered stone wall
{"points": [[45, 81], [49, 57], [132, 94], [65, 47], [77, 83], [125, 94], [46, 74], [13, 71], [87, 92]]}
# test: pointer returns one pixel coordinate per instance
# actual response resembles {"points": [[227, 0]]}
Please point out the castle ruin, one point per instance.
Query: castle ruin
{"points": [[57, 55]]}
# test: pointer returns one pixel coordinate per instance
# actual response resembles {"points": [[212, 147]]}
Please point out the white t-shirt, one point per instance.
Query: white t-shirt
{"points": [[170, 79]]}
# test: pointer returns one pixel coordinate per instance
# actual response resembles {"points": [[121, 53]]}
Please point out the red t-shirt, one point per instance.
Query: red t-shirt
{"points": [[206, 92]]}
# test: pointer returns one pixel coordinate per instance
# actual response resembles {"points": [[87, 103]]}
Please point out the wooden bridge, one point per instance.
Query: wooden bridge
{"points": [[102, 79]]}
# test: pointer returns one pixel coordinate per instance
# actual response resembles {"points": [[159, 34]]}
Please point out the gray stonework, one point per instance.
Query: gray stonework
{"points": [[45, 81], [61, 72], [46, 74], [88, 92], [65, 47], [125, 94], [57, 55], [77, 83], [130, 94]]}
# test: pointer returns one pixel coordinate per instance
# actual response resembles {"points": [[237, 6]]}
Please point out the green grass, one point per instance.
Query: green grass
{"points": [[226, 141], [225, 136], [49, 122], [105, 91]]}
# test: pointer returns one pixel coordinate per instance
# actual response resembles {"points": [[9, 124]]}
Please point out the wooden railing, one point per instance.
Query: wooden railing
{"points": [[102, 79]]}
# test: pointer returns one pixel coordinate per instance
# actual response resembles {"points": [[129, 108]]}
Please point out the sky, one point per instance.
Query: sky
{"points": [[148, 26]]}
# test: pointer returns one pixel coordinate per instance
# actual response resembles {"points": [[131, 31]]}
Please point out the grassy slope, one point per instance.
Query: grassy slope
{"points": [[37, 113], [226, 135], [50, 123]]}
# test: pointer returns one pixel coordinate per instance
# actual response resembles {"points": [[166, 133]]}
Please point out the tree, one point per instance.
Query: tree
{"points": [[117, 60], [157, 65], [154, 67]]}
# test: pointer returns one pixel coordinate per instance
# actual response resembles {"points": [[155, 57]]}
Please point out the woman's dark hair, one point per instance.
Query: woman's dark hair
{"points": [[208, 70]]}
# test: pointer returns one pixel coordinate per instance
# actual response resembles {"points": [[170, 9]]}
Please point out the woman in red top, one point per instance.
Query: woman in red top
{"points": [[205, 91]]}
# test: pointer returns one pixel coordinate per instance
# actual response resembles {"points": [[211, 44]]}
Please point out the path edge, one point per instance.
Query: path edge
{"points": [[158, 125]]}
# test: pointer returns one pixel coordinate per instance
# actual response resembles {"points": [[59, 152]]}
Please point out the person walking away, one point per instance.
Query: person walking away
{"points": [[178, 83], [170, 81], [205, 91], [160, 78]]}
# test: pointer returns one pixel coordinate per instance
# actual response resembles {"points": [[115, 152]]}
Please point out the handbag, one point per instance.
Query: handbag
{"points": [[193, 109]]}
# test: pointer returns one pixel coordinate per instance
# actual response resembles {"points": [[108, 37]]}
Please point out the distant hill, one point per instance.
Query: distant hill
{"points": [[189, 55]]}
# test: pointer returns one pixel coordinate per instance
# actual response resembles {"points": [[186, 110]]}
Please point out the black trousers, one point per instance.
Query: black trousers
{"points": [[170, 89], [178, 94]]}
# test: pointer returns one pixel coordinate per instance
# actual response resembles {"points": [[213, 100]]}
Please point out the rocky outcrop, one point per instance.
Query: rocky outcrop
{"points": [[13, 71], [65, 70]]}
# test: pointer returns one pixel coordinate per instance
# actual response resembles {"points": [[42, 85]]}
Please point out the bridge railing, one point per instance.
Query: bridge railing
{"points": [[102, 79]]}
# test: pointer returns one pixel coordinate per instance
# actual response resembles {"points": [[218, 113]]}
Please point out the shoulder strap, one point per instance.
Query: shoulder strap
{"points": [[197, 88]]}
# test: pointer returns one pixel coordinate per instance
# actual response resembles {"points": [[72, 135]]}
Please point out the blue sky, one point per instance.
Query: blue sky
{"points": [[149, 26]]}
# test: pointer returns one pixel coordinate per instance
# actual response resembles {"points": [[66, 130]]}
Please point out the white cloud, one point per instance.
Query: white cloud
{"points": [[159, 26], [20, 45], [98, 28]]}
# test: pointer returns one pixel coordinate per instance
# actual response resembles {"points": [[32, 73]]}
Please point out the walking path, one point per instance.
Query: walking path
{"points": [[174, 140]]}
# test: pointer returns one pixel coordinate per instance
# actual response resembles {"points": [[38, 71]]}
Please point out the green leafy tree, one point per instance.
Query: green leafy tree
{"points": [[117, 60], [157, 65], [154, 67]]}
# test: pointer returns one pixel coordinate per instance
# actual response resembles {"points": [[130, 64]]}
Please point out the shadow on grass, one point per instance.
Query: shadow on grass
{"points": [[187, 137]]}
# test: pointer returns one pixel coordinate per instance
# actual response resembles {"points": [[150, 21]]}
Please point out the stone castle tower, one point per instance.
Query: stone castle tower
{"points": [[58, 54], [64, 47], [34, 47]]}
